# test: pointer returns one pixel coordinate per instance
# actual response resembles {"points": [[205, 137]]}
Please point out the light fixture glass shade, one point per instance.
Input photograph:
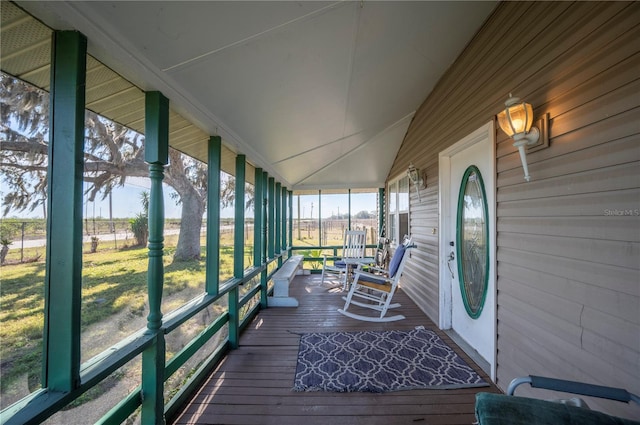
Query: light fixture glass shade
{"points": [[414, 177], [412, 172], [517, 118], [516, 121]]}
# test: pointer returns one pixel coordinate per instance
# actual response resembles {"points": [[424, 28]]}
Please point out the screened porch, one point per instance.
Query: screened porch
{"points": [[281, 108]]}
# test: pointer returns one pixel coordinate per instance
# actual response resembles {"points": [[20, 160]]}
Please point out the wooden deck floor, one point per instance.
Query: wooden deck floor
{"points": [[253, 384]]}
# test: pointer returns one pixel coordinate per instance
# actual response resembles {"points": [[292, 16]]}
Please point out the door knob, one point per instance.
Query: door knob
{"points": [[451, 257]]}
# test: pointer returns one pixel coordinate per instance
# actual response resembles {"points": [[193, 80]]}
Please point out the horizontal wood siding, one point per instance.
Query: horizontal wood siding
{"points": [[568, 243]]}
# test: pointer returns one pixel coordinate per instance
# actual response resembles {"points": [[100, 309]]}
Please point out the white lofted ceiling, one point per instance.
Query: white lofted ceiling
{"points": [[318, 94]]}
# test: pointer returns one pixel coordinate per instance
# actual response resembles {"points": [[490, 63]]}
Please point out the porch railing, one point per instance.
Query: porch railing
{"points": [[65, 378], [40, 404]]}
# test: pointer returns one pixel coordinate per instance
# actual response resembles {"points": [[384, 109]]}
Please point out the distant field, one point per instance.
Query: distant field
{"points": [[114, 296], [114, 292], [35, 228]]}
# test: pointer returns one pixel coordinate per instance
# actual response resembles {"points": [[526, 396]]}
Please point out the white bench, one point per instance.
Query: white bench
{"points": [[281, 280]]}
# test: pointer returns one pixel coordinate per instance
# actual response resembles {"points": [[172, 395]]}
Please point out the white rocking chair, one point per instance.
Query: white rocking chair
{"points": [[381, 259], [352, 254], [376, 287]]}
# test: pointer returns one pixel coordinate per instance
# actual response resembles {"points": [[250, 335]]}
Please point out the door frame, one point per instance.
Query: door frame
{"points": [[447, 218]]}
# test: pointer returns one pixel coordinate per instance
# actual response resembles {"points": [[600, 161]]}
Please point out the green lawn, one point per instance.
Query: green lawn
{"points": [[114, 291], [114, 282]]}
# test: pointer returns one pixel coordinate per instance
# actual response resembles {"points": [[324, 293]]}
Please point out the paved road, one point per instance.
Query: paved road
{"points": [[109, 237]]}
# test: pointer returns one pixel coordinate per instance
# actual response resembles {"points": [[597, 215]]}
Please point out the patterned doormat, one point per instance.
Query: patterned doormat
{"points": [[379, 362]]}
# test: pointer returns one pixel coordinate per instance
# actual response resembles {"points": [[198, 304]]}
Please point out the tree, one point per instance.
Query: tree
{"points": [[25, 107], [228, 193], [140, 223], [364, 215], [4, 250], [112, 153]]}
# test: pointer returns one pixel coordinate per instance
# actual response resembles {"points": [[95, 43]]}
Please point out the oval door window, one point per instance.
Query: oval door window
{"points": [[472, 234]]}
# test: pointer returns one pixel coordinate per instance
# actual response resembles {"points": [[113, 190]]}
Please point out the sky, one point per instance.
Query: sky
{"points": [[126, 204]]}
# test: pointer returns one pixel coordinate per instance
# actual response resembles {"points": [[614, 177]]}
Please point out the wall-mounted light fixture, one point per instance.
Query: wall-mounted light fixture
{"points": [[516, 121], [418, 179]]}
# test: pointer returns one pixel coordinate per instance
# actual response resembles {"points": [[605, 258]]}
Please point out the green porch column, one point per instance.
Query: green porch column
{"points": [[63, 270], [349, 201], [238, 233], [212, 283], [320, 239], [257, 218], [258, 228], [238, 252], [278, 215], [381, 209], [283, 240], [290, 219], [265, 213], [156, 154], [271, 208], [265, 219]]}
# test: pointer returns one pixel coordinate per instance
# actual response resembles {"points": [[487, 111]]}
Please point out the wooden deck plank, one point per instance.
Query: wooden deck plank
{"points": [[253, 384]]}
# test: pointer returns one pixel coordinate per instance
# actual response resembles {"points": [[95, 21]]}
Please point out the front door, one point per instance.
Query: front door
{"points": [[467, 242]]}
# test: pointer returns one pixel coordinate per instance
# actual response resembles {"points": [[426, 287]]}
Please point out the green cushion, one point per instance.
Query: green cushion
{"points": [[500, 409]]}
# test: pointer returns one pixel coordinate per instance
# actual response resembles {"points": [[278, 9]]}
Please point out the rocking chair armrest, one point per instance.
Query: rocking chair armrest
{"points": [[326, 257], [369, 267], [581, 388], [359, 273]]}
